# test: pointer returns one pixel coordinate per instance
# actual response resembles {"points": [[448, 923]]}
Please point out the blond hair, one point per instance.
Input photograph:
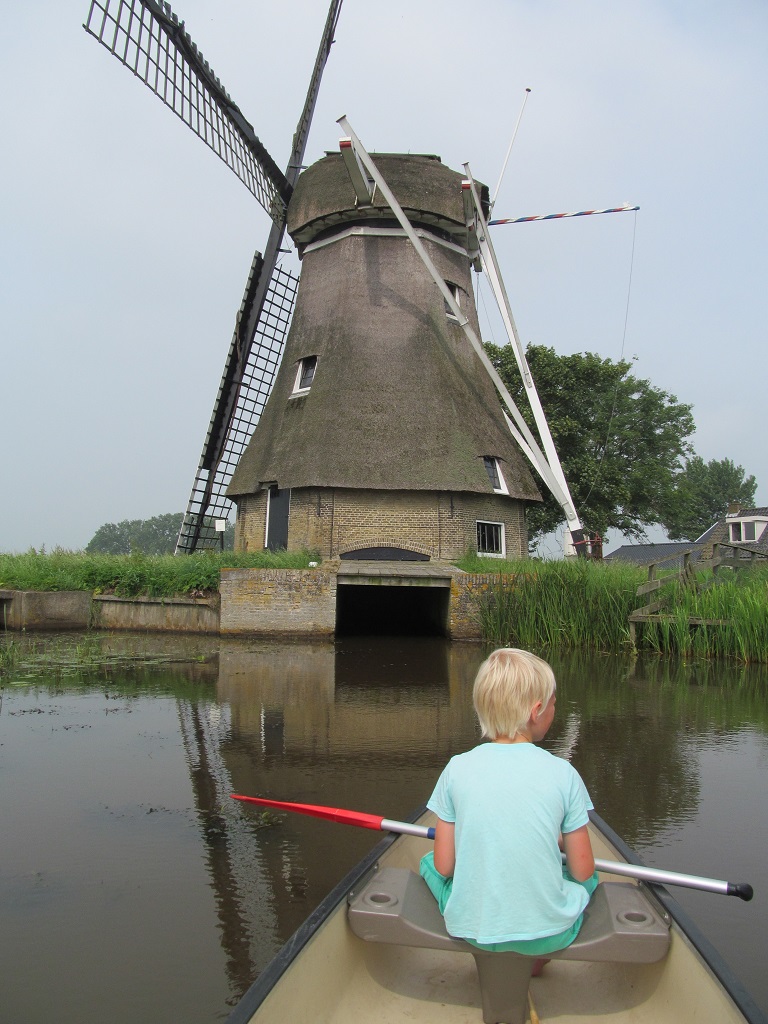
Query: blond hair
{"points": [[508, 685]]}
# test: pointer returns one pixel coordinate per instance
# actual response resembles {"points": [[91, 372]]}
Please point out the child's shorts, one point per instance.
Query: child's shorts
{"points": [[441, 887]]}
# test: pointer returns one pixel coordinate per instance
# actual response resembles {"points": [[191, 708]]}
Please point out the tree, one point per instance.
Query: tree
{"points": [[621, 441], [156, 536], [702, 496]]}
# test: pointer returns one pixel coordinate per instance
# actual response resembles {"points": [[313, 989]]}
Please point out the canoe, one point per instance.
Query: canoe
{"points": [[327, 974]]}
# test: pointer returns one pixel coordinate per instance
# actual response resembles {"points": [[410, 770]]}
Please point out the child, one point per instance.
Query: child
{"points": [[505, 810]]}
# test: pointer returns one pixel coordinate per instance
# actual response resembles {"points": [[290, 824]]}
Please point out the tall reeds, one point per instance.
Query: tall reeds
{"points": [[735, 613], [568, 604], [583, 604]]}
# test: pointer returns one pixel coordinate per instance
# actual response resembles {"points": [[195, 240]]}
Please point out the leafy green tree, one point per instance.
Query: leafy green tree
{"points": [[703, 492], [156, 536], [621, 440]]}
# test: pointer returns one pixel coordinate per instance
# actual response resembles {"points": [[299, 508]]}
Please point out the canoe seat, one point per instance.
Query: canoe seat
{"points": [[620, 925]]}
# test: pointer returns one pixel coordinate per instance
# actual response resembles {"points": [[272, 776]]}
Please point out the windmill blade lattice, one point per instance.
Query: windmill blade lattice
{"points": [[256, 349], [150, 40], [248, 378]]}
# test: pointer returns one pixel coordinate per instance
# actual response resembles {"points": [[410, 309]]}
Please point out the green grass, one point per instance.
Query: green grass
{"points": [[582, 604], [566, 604], [740, 600], [137, 574]]}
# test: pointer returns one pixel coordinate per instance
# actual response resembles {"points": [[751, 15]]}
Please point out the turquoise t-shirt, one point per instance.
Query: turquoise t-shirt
{"points": [[510, 802]]}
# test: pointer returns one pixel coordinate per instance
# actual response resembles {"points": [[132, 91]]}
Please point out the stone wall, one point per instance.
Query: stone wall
{"points": [[278, 601], [167, 614], [34, 609], [333, 522], [466, 590]]}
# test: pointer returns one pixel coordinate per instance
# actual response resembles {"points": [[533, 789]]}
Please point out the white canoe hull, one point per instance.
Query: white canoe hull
{"points": [[326, 975]]}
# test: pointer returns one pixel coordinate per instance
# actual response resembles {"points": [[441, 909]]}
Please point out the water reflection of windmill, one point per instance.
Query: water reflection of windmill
{"points": [[382, 434]]}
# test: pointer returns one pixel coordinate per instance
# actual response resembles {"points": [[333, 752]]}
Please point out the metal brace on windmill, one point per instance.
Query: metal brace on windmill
{"points": [[374, 430]]}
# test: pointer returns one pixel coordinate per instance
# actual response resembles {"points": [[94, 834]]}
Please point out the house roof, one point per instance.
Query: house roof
{"points": [[667, 555]]}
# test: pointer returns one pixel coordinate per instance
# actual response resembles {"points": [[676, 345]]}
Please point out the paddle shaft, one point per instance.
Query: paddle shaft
{"points": [[373, 821]]}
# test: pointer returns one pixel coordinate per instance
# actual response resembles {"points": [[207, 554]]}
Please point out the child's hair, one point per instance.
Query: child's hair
{"points": [[507, 686]]}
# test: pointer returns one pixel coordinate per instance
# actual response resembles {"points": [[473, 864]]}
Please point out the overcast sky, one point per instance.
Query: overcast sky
{"points": [[126, 243]]}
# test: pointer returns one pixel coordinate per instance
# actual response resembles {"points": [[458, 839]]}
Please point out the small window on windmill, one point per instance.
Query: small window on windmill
{"points": [[493, 469], [490, 539], [305, 375], [456, 293]]}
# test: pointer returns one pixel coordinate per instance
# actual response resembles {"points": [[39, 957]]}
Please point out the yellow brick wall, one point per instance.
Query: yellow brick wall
{"points": [[432, 523]]}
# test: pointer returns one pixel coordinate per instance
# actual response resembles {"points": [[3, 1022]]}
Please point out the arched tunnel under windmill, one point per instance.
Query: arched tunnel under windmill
{"points": [[379, 598]]}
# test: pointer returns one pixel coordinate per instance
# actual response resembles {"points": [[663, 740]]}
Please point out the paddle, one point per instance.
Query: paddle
{"points": [[374, 821]]}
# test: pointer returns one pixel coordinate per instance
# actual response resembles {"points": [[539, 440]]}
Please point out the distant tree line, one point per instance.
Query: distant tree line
{"points": [[156, 536]]}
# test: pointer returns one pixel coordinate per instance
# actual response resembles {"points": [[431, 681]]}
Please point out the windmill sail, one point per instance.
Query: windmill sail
{"points": [[149, 39]]}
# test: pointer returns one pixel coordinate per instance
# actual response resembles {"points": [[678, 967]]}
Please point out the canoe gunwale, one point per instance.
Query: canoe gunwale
{"points": [[708, 953], [273, 972], [282, 960]]}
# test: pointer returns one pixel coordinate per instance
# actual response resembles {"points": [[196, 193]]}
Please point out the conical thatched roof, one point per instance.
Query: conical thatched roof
{"points": [[399, 400]]}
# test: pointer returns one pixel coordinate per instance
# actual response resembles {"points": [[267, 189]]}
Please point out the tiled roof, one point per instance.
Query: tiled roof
{"points": [[667, 555]]}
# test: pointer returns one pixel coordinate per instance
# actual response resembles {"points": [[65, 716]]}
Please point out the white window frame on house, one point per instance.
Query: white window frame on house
{"points": [[501, 535], [301, 370], [495, 475], [739, 528]]}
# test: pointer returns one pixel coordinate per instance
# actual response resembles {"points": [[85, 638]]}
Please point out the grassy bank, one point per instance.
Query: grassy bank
{"points": [[584, 604], [134, 575]]}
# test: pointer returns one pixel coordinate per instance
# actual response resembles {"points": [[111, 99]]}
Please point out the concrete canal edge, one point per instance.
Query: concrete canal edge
{"points": [[268, 602]]}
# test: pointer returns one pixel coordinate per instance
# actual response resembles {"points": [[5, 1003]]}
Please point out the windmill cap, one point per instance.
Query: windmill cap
{"points": [[429, 192]]}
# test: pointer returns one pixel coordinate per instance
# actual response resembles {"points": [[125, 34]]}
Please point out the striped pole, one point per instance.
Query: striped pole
{"points": [[626, 208]]}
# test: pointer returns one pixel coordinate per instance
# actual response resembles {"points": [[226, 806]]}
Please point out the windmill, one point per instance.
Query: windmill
{"points": [[379, 433], [149, 39]]}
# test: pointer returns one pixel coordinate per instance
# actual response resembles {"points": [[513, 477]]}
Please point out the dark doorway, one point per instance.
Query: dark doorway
{"points": [[392, 611], [277, 518]]}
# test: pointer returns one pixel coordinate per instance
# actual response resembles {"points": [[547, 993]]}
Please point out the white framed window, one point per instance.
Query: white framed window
{"points": [[305, 374], [746, 530], [456, 293], [490, 539], [496, 477]]}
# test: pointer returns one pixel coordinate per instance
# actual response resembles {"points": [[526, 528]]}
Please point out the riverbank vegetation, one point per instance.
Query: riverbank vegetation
{"points": [[136, 574], [583, 604]]}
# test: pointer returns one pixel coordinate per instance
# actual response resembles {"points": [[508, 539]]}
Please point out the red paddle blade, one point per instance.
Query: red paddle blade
{"points": [[372, 821]]}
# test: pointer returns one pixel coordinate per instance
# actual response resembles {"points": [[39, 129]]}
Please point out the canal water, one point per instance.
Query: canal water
{"points": [[134, 889]]}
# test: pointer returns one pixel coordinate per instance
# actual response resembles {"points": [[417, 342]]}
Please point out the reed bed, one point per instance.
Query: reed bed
{"points": [[136, 574], [584, 604], [566, 604], [736, 610]]}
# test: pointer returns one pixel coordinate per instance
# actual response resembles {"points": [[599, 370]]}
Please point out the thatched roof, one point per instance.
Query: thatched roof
{"points": [[428, 191], [399, 401]]}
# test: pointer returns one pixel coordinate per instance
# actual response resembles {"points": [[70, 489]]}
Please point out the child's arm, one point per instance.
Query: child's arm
{"points": [[578, 854], [445, 849]]}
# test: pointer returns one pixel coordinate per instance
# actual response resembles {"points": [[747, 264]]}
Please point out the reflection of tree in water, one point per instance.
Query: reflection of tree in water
{"points": [[640, 723]]}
